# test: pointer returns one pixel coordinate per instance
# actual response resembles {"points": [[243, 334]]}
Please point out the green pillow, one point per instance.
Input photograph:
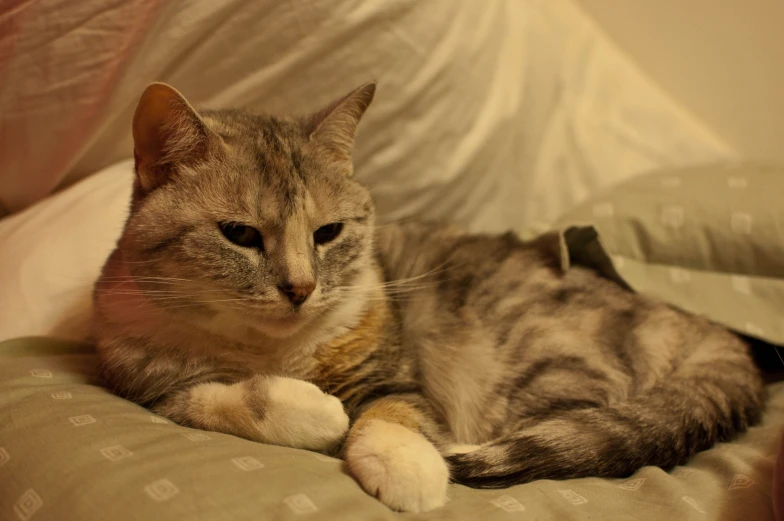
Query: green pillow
{"points": [[708, 239], [71, 451]]}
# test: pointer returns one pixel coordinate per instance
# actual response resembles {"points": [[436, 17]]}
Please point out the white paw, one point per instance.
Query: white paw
{"points": [[399, 467], [298, 414]]}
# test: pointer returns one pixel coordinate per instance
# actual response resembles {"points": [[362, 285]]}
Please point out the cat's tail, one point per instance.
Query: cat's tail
{"points": [[696, 407]]}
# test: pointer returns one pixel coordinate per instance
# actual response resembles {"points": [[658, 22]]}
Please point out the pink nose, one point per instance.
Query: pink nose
{"points": [[297, 293]]}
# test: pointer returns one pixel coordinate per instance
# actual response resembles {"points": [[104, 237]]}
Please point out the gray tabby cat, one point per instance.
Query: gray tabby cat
{"points": [[252, 294]]}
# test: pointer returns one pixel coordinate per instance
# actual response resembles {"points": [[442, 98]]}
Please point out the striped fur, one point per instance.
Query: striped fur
{"points": [[423, 353]]}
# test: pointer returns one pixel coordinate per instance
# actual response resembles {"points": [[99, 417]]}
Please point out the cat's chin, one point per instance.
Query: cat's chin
{"points": [[281, 328]]}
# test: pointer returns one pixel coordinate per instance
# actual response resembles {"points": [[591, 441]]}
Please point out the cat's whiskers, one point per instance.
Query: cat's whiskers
{"points": [[146, 278], [134, 291], [183, 305], [407, 284]]}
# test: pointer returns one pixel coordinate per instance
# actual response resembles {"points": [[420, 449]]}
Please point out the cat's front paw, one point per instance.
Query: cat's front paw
{"points": [[298, 414], [398, 466]]}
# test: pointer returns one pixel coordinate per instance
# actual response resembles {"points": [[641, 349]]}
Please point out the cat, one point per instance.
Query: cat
{"points": [[251, 293]]}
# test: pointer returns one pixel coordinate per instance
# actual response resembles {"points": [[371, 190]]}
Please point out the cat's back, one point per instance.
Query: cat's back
{"points": [[456, 283], [506, 307]]}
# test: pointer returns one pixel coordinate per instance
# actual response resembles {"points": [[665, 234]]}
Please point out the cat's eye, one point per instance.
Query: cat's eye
{"points": [[327, 233], [241, 235]]}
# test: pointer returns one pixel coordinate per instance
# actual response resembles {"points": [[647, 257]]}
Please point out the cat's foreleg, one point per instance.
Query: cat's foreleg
{"points": [[268, 409], [390, 451], [202, 392]]}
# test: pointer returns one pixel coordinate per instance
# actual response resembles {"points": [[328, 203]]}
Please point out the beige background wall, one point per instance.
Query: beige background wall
{"points": [[721, 59]]}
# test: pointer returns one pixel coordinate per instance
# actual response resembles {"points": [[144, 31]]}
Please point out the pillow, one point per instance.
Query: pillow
{"points": [[707, 239], [69, 450], [52, 252]]}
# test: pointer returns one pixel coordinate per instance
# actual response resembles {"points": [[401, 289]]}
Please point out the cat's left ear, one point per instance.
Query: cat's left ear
{"points": [[334, 127]]}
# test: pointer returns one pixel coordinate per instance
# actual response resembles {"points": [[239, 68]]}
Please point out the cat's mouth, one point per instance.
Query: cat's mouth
{"points": [[282, 320], [276, 319]]}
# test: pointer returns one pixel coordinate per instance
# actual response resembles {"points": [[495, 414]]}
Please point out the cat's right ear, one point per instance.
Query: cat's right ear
{"points": [[333, 128], [167, 132]]}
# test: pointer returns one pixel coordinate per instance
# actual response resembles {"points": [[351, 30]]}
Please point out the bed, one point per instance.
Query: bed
{"points": [[554, 130]]}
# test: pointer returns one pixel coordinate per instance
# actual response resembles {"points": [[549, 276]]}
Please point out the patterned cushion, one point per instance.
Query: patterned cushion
{"points": [[69, 450], [708, 239]]}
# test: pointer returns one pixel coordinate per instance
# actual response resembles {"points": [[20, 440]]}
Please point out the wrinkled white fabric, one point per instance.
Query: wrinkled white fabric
{"points": [[492, 114]]}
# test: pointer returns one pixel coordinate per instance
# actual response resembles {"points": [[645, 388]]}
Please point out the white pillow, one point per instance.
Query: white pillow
{"points": [[51, 253]]}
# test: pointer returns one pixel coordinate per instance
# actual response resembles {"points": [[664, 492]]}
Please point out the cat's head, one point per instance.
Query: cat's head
{"points": [[251, 214]]}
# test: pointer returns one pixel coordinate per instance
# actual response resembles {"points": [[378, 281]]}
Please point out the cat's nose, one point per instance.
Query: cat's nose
{"points": [[297, 292]]}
